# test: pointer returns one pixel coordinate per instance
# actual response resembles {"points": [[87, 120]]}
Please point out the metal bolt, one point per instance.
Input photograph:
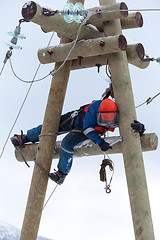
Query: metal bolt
{"points": [[102, 43], [98, 66], [50, 51], [98, 11], [80, 59]]}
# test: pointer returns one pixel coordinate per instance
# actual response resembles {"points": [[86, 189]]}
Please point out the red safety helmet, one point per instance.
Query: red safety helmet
{"points": [[107, 114]]}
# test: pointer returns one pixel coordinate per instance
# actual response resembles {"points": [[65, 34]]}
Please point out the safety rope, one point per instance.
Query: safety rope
{"points": [[103, 176]]}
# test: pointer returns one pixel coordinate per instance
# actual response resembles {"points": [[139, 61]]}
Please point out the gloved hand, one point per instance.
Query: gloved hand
{"points": [[104, 146], [138, 127]]}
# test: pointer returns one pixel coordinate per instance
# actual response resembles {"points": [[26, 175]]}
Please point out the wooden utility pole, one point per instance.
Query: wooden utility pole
{"points": [[44, 155], [46, 148], [131, 146], [111, 46]]}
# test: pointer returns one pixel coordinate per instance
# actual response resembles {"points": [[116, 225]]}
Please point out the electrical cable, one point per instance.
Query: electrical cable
{"points": [[74, 42], [88, 15], [8, 55], [23, 103], [50, 196], [19, 111], [53, 72], [2, 69], [149, 100], [130, 10], [25, 81]]}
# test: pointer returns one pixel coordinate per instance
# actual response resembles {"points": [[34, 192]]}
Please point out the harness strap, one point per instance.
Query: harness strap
{"points": [[72, 116]]}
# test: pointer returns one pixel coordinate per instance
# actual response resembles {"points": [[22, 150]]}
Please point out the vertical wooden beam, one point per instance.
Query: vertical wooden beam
{"points": [[46, 148], [44, 155], [131, 146]]}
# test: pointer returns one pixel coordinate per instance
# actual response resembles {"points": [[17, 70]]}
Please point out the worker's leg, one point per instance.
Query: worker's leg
{"points": [[66, 155], [67, 149], [33, 134]]}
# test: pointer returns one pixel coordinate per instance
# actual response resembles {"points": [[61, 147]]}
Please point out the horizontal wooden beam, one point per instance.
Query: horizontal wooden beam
{"points": [[34, 13], [135, 55], [88, 148], [134, 20], [108, 13], [83, 48]]}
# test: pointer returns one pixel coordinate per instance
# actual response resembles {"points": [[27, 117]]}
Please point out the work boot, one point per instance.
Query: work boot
{"points": [[57, 177], [19, 140]]}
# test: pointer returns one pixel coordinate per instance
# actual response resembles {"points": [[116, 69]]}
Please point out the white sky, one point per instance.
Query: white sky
{"points": [[79, 209]]}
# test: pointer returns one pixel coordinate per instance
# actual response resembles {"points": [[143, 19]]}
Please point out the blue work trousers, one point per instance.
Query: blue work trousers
{"points": [[67, 145]]}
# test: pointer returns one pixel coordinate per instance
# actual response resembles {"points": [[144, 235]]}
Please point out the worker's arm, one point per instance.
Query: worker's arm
{"points": [[90, 122]]}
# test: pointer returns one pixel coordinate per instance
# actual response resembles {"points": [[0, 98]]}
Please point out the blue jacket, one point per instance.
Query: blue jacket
{"points": [[90, 123], [87, 122]]}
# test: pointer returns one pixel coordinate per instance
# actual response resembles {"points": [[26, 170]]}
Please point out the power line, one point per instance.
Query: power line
{"points": [[23, 103], [25, 81], [19, 111], [2, 69], [149, 100], [53, 73], [50, 196]]}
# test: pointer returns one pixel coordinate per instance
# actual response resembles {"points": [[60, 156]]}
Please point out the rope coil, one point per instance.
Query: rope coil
{"points": [[103, 177]]}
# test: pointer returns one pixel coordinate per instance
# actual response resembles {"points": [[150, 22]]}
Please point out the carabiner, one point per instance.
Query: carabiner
{"points": [[108, 190]]}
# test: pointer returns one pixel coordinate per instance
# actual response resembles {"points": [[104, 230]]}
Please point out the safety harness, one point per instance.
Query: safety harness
{"points": [[80, 112]]}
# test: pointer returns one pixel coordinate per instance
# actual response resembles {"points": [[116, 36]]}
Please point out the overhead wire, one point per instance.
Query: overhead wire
{"points": [[2, 69], [25, 81], [88, 15], [149, 100], [8, 55], [75, 41], [50, 196], [53, 72], [22, 105], [19, 111], [132, 10]]}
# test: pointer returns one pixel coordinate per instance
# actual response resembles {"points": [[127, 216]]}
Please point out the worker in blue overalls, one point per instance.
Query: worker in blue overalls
{"points": [[89, 122]]}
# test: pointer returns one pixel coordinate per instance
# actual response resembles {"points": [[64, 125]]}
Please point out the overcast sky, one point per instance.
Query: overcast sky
{"points": [[80, 208]]}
